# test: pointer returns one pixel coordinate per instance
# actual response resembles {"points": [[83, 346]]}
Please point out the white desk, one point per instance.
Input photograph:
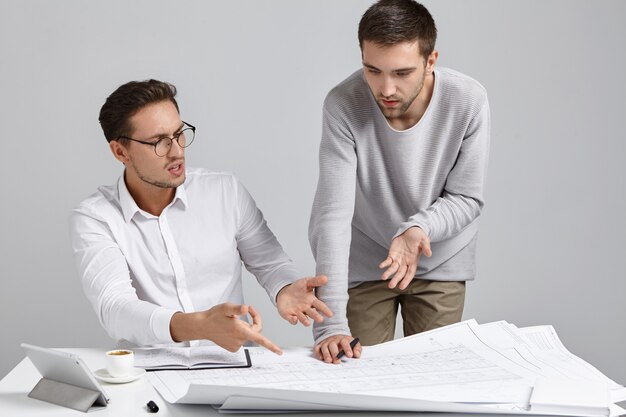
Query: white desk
{"points": [[126, 399]]}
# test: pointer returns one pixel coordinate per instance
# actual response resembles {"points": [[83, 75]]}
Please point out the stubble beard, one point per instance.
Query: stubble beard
{"points": [[396, 113], [160, 184]]}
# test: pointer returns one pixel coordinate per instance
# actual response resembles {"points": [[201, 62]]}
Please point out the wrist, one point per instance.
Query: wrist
{"points": [[186, 326], [281, 292]]}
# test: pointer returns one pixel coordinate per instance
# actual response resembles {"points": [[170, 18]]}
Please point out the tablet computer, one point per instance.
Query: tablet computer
{"points": [[66, 368]]}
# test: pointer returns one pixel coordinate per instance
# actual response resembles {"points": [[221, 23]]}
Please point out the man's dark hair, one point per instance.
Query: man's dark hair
{"points": [[127, 100], [389, 22]]}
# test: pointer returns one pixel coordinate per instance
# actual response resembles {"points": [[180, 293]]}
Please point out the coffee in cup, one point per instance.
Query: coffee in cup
{"points": [[120, 362]]}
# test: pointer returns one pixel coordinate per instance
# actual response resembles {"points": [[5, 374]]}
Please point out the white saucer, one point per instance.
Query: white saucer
{"points": [[103, 375]]}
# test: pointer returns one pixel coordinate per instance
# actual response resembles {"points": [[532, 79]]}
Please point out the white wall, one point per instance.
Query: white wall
{"points": [[252, 76]]}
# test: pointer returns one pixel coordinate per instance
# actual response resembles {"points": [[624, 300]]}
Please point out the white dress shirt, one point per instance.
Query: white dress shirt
{"points": [[138, 269]]}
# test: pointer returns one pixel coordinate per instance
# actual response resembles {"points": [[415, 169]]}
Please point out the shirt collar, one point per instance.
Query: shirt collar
{"points": [[130, 207]]}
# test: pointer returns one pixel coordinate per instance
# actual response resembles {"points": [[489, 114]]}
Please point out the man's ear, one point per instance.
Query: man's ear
{"points": [[431, 61], [120, 152]]}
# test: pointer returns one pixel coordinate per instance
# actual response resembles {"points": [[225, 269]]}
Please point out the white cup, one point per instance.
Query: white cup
{"points": [[120, 362]]}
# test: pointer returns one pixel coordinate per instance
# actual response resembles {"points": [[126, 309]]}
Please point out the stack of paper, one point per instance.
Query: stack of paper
{"points": [[494, 368]]}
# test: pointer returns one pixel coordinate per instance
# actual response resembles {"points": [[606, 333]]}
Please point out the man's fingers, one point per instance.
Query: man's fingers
{"points": [[328, 349], [312, 313], [406, 280], [233, 310], [425, 246], [317, 350], [386, 262], [345, 346], [402, 270], [333, 348], [408, 277], [257, 321], [265, 342], [303, 318], [326, 356], [318, 281], [391, 270], [292, 319], [394, 281], [320, 306], [400, 278]]}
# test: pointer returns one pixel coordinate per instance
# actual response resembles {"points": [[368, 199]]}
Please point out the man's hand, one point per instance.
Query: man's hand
{"points": [[328, 348], [404, 255], [221, 325], [297, 301]]}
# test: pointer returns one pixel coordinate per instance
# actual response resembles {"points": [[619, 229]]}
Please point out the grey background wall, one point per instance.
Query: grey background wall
{"points": [[252, 76]]}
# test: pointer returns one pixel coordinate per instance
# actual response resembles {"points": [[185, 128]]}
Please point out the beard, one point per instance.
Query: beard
{"points": [[403, 104], [165, 183]]}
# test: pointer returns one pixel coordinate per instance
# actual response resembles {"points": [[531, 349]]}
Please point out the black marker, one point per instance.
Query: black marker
{"points": [[152, 407], [352, 345]]}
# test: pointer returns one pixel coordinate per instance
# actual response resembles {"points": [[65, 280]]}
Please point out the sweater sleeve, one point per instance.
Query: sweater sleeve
{"points": [[259, 249], [330, 223], [462, 198]]}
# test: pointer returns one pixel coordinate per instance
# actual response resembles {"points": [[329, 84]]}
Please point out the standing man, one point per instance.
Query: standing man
{"points": [[159, 253], [403, 160]]}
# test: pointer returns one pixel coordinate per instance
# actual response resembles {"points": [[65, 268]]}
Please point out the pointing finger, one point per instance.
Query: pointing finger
{"points": [[265, 342]]}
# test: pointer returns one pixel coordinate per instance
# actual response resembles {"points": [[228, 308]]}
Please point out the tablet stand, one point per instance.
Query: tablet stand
{"points": [[65, 395]]}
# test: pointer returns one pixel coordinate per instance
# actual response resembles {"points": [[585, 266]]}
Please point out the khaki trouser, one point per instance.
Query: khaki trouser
{"points": [[425, 305]]}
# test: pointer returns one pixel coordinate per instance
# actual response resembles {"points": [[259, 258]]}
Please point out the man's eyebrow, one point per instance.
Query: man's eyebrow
{"points": [[407, 69], [166, 135], [370, 66]]}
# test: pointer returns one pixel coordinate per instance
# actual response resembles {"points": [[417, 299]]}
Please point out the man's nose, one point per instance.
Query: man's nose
{"points": [[175, 150], [388, 88]]}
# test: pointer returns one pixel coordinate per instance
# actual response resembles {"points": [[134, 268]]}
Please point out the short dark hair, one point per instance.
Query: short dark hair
{"points": [[389, 22], [127, 100]]}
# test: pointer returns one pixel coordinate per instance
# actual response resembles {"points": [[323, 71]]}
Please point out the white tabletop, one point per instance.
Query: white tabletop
{"points": [[126, 399]]}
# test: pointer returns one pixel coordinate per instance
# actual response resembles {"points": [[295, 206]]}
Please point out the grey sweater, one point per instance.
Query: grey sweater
{"points": [[375, 182]]}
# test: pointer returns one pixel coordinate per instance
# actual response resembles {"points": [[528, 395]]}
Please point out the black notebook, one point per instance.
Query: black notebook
{"points": [[200, 357]]}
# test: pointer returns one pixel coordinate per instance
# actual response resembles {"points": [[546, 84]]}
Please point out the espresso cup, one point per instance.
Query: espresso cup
{"points": [[120, 362]]}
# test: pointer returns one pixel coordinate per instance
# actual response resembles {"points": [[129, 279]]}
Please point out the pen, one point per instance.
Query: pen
{"points": [[352, 345]]}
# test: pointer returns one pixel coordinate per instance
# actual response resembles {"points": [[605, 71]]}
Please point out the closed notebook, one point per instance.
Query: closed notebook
{"points": [[201, 357]]}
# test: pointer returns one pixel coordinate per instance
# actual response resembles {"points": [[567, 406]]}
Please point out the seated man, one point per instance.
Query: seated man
{"points": [[159, 253]]}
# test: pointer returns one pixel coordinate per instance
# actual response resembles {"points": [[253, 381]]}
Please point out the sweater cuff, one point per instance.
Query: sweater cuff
{"points": [[273, 292], [407, 225], [321, 332]]}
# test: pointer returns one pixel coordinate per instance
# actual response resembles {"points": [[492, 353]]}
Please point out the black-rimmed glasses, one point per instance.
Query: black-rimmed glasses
{"points": [[162, 147]]}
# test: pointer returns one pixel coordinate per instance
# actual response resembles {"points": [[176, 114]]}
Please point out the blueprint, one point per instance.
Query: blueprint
{"points": [[465, 367]]}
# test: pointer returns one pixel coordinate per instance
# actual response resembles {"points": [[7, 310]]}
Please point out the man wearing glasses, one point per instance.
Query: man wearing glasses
{"points": [[159, 252]]}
